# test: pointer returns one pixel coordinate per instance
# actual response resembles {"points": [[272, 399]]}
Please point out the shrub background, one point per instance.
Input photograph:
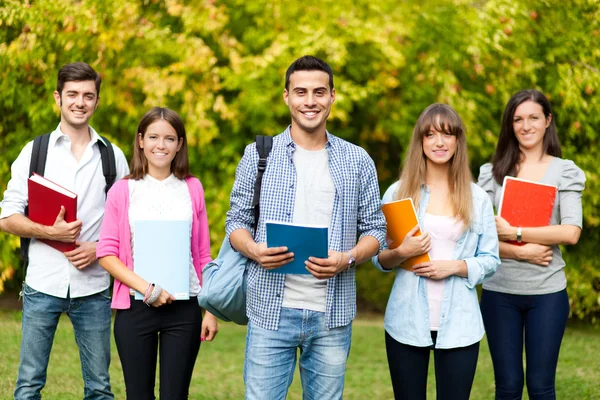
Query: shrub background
{"points": [[221, 65]]}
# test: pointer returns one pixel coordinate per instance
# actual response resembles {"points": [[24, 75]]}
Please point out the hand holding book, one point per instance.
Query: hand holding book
{"points": [[164, 298], [325, 268], [505, 230], [64, 231], [414, 245], [271, 257]]}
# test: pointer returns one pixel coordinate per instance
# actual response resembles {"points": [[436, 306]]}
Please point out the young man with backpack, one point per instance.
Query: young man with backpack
{"points": [[311, 177], [80, 160]]}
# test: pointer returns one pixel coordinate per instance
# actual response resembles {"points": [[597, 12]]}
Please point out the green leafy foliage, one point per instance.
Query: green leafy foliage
{"points": [[221, 65]]}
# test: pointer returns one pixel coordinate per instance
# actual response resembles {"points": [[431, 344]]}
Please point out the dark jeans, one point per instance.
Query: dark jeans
{"points": [[538, 319], [454, 370], [138, 332]]}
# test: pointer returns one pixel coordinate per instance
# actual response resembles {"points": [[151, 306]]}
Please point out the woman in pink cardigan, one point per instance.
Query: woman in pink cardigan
{"points": [[159, 187]]}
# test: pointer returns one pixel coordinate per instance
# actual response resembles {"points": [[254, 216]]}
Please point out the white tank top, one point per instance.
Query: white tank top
{"points": [[444, 232]]}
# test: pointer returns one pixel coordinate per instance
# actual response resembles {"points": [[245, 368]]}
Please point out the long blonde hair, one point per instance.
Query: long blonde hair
{"points": [[442, 118]]}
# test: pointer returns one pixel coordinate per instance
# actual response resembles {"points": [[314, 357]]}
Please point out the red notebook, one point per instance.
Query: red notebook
{"points": [[45, 199], [526, 203]]}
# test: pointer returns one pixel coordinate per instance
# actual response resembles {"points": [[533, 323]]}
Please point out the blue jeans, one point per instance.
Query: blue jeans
{"points": [[537, 320], [271, 357], [91, 318]]}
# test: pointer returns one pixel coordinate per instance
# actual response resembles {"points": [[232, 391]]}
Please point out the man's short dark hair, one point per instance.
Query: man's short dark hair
{"points": [[308, 63], [77, 72]]}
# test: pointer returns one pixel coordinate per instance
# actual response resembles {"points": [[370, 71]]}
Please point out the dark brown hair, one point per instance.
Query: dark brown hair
{"points": [[508, 156], [77, 72], [180, 166], [308, 63], [442, 118]]}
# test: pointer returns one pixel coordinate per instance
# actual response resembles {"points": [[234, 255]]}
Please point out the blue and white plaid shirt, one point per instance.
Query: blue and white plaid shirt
{"points": [[356, 213]]}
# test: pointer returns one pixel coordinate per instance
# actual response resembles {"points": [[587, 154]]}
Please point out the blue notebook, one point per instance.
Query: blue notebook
{"points": [[161, 255], [303, 240]]}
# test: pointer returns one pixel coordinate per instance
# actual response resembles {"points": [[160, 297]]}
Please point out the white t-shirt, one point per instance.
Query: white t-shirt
{"points": [[169, 199], [315, 194]]}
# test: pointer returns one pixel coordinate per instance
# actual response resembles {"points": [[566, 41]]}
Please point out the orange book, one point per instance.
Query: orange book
{"points": [[401, 217], [526, 203]]}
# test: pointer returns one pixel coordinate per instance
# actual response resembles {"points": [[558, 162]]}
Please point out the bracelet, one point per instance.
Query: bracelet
{"points": [[519, 235], [155, 295], [148, 291]]}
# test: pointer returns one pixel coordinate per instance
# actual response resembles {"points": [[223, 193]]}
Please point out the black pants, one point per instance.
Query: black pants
{"points": [[538, 321], [454, 370], [138, 332]]}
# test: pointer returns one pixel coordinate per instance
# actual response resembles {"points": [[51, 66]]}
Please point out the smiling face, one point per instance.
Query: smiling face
{"points": [[77, 103], [438, 146], [529, 125], [309, 99], [160, 145]]}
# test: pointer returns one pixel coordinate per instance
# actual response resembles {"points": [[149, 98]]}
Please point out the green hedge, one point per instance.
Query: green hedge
{"points": [[220, 64]]}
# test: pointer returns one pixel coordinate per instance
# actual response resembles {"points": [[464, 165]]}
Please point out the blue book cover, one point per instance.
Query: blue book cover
{"points": [[161, 255], [303, 240]]}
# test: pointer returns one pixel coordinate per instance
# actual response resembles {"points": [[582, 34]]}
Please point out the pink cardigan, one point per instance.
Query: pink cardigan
{"points": [[115, 236]]}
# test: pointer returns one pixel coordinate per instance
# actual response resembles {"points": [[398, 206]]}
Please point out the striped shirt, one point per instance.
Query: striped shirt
{"points": [[356, 213]]}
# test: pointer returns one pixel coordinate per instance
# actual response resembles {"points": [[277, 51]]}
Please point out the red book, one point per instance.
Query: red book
{"points": [[45, 199], [526, 203]]}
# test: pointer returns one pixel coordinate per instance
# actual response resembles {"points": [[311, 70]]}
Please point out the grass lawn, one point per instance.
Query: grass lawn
{"points": [[218, 372]]}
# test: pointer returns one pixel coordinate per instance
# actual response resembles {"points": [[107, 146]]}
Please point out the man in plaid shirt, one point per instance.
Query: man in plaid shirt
{"points": [[312, 177]]}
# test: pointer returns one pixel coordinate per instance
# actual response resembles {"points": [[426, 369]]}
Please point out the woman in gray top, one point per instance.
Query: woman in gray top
{"points": [[526, 300]]}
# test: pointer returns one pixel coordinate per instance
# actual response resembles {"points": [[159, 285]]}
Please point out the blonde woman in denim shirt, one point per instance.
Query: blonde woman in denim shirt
{"points": [[435, 305]]}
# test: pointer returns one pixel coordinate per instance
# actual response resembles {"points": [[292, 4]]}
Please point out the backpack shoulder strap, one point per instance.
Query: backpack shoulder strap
{"points": [[37, 165], [109, 164], [264, 144], [38, 154]]}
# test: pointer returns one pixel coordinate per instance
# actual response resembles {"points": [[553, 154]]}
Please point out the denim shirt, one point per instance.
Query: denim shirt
{"points": [[407, 312]]}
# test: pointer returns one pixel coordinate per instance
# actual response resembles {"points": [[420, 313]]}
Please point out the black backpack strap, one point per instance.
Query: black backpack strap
{"points": [[264, 144], [37, 165], [109, 165], [38, 154]]}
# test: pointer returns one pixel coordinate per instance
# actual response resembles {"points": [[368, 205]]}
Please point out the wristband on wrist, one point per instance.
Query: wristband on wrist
{"points": [[148, 291], [519, 235], [155, 295]]}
